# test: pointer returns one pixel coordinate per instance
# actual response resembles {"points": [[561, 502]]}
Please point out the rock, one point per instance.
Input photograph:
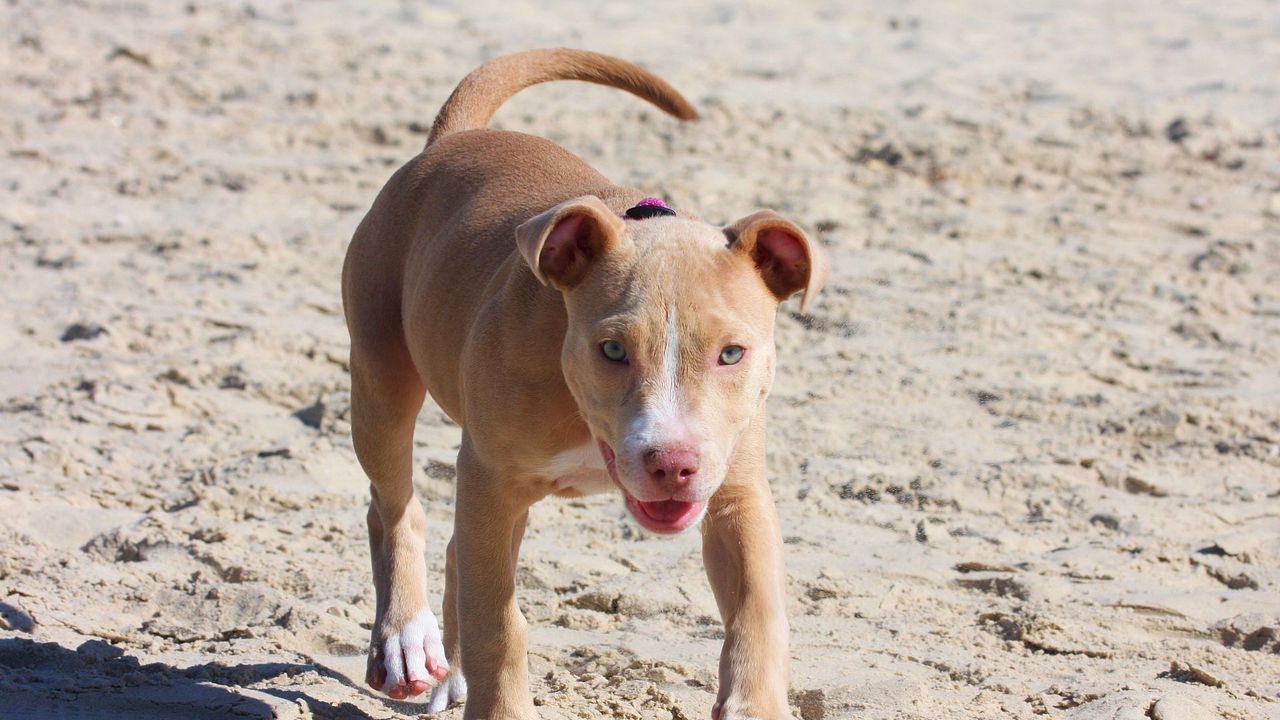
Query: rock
{"points": [[598, 601], [232, 381], [132, 55], [14, 617], [99, 650], [82, 331], [1249, 546], [980, 566], [1178, 707], [1123, 705], [1177, 131], [1190, 674], [1135, 485], [993, 584], [1273, 206], [437, 470], [812, 704], [645, 607], [1254, 631], [1106, 520]]}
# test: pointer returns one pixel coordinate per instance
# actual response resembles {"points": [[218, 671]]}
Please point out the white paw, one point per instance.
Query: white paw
{"points": [[450, 692], [414, 658]]}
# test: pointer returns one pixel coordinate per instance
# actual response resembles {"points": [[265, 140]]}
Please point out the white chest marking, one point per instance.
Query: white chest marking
{"points": [[580, 469]]}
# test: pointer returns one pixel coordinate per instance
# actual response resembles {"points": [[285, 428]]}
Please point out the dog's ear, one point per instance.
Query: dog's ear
{"points": [[787, 259], [561, 243]]}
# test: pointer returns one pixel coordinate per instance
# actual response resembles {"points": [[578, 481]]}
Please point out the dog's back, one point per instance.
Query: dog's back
{"points": [[471, 186]]}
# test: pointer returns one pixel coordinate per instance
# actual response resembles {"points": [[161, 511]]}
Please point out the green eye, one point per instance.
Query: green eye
{"points": [[731, 355], [613, 351]]}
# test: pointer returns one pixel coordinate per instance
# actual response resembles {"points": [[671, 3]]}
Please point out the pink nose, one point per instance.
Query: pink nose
{"points": [[675, 465]]}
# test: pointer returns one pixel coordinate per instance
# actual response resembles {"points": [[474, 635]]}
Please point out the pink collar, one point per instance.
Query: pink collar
{"points": [[647, 208]]}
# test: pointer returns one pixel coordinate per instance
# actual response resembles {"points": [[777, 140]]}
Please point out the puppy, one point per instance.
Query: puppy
{"points": [[585, 339]]}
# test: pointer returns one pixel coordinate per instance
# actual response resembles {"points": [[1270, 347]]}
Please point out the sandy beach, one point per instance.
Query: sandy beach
{"points": [[1025, 447]]}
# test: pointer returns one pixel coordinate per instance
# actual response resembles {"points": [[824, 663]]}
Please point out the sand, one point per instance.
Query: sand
{"points": [[1026, 447]]}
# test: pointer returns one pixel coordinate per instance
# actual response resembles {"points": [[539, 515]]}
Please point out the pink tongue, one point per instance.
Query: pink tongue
{"points": [[665, 510]]}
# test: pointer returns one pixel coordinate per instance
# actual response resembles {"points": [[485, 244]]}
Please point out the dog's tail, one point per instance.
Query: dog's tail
{"points": [[481, 93]]}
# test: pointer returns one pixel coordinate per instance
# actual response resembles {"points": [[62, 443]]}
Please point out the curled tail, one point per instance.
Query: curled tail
{"points": [[481, 93]]}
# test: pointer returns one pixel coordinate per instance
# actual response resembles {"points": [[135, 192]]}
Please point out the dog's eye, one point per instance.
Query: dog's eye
{"points": [[731, 355], [613, 351]]}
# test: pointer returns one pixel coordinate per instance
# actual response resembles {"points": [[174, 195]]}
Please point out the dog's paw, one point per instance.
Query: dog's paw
{"points": [[451, 691], [410, 661], [734, 710]]}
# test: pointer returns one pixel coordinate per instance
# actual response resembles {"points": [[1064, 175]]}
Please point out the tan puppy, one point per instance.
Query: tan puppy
{"points": [[579, 351]]}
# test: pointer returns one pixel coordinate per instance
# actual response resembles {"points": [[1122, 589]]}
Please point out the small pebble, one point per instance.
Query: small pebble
{"points": [[1273, 206], [82, 331]]}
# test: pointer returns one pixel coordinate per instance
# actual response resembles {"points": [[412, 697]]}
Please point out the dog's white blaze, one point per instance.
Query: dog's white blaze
{"points": [[661, 421], [671, 356], [665, 411]]}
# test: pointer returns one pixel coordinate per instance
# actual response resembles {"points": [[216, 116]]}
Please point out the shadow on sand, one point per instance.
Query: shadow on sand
{"points": [[98, 680]]}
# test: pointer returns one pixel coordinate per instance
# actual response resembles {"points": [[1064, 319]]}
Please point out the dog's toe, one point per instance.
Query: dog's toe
{"points": [[413, 659], [451, 691], [376, 675]]}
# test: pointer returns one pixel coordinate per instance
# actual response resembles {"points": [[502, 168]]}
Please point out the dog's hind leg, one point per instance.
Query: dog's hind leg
{"points": [[406, 655], [454, 688]]}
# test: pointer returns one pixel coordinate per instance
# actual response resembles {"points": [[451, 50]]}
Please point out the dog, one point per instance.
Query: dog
{"points": [[585, 339]]}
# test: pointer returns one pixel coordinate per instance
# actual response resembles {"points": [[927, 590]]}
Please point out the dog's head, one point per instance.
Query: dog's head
{"points": [[669, 350]]}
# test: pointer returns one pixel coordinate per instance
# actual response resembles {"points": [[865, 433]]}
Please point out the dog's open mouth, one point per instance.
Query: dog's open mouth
{"points": [[666, 517]]}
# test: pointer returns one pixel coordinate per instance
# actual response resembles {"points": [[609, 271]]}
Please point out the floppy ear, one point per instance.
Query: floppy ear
{"points": [[785, 257], [560, 244]]}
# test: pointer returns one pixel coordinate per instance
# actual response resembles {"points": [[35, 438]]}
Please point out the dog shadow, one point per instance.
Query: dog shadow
{"points": [[99, 680]]}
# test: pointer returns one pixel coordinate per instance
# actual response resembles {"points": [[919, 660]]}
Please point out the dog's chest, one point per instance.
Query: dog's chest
{"points": [[578, 471]]}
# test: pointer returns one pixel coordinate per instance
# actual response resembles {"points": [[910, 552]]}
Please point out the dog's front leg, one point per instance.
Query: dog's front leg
{"points": [[489, 524], [742, 549], [406, 656]]}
